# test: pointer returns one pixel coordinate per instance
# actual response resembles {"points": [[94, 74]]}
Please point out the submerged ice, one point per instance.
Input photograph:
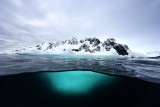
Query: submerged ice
{"points": [[74, 82]]}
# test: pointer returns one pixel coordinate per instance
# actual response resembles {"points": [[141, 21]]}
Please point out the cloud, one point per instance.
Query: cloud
{"points": [[133, 22]]}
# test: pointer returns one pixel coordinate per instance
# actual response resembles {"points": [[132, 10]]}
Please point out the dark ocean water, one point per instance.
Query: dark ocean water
{"points": [[72, 81]]}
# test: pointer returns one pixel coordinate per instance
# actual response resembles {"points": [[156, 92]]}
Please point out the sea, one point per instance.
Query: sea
{"points": [[78, 81]]}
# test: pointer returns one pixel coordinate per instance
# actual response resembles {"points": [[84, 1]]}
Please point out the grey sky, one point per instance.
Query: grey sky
{"points": [[133, 22]]}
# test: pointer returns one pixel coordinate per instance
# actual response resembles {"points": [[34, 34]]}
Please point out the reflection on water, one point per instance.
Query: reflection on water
{"points": [[77, 82]]}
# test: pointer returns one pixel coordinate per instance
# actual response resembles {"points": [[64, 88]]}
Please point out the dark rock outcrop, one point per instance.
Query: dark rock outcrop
{"points": [[94, 42], [76, 50], [121, 50], [73, 41], [108, 48], [96, 49], [51, 46], [39, 47], [81, 41], [84, 46], [111, 41]]}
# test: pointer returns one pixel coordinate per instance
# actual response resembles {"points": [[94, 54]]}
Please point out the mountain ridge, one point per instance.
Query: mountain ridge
{"points": [[87, 45]]}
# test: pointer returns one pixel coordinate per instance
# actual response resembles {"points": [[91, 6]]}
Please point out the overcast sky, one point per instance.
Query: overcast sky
{"points": [[132, 22]]}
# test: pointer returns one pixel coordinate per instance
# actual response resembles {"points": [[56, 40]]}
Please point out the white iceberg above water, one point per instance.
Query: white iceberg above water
{"points": [[87, 46]]}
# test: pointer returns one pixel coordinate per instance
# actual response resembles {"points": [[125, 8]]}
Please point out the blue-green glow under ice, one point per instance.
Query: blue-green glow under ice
{"points": [[77, 82]]}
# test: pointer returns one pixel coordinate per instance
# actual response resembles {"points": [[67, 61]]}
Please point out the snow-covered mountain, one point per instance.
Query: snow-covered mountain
{"points": [[91, 46]]}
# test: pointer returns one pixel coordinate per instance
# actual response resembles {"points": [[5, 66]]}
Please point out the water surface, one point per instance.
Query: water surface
{"points": [[146, 69]]}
